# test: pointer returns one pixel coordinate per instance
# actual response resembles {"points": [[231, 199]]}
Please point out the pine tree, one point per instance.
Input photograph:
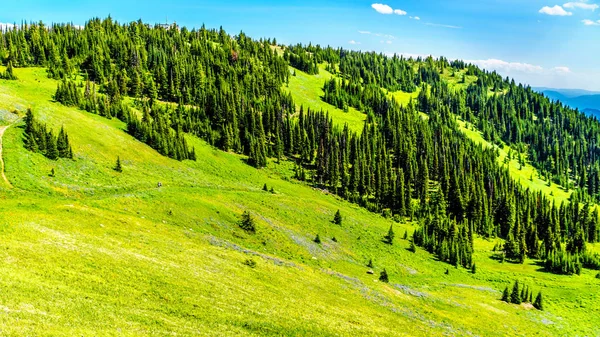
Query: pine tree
{"points": [[383, 276], [118, 166], [505, 295], [317, 239], [473, 268], [370, 264], [515, 296], [265, 188], [247, 222], [389, 238], [337, 219], [539, 302]]}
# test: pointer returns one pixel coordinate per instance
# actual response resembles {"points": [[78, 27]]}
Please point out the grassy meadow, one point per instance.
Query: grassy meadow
{"points": [[93, 252]]}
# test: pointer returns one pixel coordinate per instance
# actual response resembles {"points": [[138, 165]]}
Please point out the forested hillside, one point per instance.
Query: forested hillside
{"points": [[411, 163]]}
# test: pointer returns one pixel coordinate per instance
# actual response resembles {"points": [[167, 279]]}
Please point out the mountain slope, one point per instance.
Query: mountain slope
{"points": [[94, 252]]}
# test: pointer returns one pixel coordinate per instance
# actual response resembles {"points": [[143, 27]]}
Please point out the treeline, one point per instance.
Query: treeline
{"points": [[39, 139], [300, 59], [231, 84]]}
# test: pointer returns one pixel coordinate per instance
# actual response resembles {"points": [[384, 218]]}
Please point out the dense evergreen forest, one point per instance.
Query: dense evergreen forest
{"points": [[228, 91]]}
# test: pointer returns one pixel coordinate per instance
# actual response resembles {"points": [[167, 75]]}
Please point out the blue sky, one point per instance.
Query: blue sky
{"points": [[540, 42]]}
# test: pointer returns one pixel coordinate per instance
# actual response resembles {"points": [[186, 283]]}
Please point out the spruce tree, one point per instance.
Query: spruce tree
{"points": [[515, 296], [247, 222], [118, 166], [383, 276], [505, 295], [317, 239], [389, 238], [337, 219], [539, 302]]}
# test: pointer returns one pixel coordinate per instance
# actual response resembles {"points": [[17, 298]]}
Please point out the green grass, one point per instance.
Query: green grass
{"points": [[527, 175], [91, 252], [307, 91]]}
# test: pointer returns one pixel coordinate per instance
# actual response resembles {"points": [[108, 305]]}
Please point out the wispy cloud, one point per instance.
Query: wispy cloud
{"points": [[415, 18], [444, 26], [590, 22], [383, 9], [353, 42], [581, 5], [386, 36], [399, 12], [556, 10], [561, 70], [500, 65]]}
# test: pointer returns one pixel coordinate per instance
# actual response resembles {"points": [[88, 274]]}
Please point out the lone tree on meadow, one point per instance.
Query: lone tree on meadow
{"points": [[247, 223], [118, 166], [317, 239], [389, 238], [383, 277], [337, 218]]}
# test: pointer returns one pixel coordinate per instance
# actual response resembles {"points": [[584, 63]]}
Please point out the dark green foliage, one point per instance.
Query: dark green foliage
{"points": [[39, 139], [473, 269], [52, 173], [560, 262], [118, 166], [598, 276], [317, 239], [265, 188], [412, 247], [405, 236], [383, 276], [370, 264], [250, 263], [389, 237], [539, 301], [247, 222], [505, 295], [337, 218], [334, 239], [515, 296], [8, 74]]}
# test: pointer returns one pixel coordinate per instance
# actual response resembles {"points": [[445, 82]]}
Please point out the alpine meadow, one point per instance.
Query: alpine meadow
{"points": [[164, 180]]}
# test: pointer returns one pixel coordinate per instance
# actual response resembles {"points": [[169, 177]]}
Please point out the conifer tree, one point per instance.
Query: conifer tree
{"points": [[383, 276], [505, 295], [337, 219], [539, 302], [515, 296], [389, 237], [118, 166]]}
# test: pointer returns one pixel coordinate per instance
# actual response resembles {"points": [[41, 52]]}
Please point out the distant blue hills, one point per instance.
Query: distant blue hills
{"points": [[586, 101]]}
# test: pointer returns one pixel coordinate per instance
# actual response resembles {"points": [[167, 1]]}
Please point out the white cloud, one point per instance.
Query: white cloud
{"points": [[383, 9], [581, 5], [444, 26], [399, 12], [353, 42], [364, 32], [590, 22], [417, 18], [561, 70], [556, 10], [504, 66]]}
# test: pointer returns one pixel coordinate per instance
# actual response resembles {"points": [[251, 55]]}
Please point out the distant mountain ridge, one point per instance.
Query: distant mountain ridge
{"points": [[584, 100]]}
